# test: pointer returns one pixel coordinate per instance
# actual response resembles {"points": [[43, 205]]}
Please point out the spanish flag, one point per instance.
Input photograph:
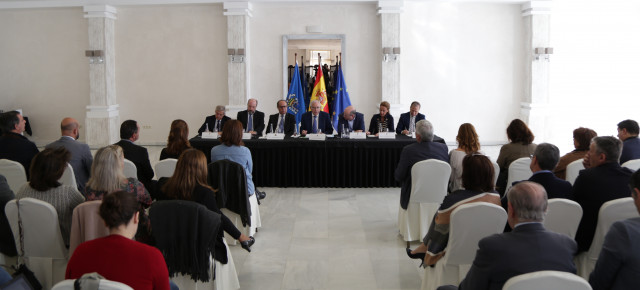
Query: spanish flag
{"points": [[320, 91]]}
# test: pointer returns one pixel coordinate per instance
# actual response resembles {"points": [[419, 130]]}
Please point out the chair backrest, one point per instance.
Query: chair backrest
{"points": [[547, 280], [496, 172], [68, 177], [14, 173], [130, 169], [429, 181], [573, 169], [469, 224], [519, 170], [104, 285], [165, 168], [610, 212], [86, 224], [632, 164], [42, 237], [563, 216]]}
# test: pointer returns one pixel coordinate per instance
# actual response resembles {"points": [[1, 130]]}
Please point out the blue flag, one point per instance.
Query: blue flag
{"points": [[341, 97], [295, 97]]}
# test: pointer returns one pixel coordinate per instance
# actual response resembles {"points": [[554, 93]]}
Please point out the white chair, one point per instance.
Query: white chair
{"points": [[86, 224], [547, 280], [14, 173], [573, 169], [165, 168], [44, 250], [226, 276], [563, 216], [632, 164], [68, 177], [130, 169], [256, 221], [610, 212], [429, 181], [469, 224], [496, 172], [104, 285], [518, 170]]}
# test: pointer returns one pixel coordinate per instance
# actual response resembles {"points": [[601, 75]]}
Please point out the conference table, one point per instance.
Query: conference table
{"points": [[334, 162]]}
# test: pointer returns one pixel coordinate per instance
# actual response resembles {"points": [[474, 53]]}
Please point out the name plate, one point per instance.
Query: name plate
{"points": [[246, 136], [387, 135], [358, 135], [209, 135], [275, 136], [317, 137]]}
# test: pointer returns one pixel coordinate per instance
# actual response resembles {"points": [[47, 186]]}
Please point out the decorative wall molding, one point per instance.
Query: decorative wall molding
{"points": [[537, 7]]}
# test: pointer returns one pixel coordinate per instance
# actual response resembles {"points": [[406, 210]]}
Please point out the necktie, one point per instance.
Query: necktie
{"points": [[412, 124], [281, 126], [217, 125], [315, 124], [250, 123]]}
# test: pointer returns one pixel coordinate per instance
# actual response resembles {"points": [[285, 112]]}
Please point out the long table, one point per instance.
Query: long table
{"points": [[299, 162]]}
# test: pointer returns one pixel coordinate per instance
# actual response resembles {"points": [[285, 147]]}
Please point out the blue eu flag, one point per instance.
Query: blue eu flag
{"points": [[341, 97]]}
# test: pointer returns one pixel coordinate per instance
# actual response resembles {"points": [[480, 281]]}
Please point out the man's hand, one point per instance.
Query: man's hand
{"points": [[405, 132], [585, 161], [303, 132]]}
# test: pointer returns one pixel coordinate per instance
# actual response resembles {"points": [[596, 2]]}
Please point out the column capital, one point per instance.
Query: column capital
{"points": [[99, 11], [537, 7], [238, 8], [391, 6]]}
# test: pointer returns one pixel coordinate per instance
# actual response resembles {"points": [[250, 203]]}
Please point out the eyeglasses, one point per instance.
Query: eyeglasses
{"points": [[282, 106]]}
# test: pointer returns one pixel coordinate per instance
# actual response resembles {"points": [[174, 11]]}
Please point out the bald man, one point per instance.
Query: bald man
{"points": [[81, 158], [350, 119], [252, 120]]}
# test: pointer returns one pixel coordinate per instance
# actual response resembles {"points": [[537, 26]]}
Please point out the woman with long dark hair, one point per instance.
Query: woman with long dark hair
{"points": [[521, 145], [178, 140]]}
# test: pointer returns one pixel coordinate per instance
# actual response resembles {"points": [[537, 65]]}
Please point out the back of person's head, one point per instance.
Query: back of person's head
{"points": [[425, 130], [468, 138], [547, 155], [190, 171], [529, 201], [386, 105], [610, 146], [634, 181], [47, 168], [477, 173], [118, 208], [128, 128], [630, 125], [232, 133], [107, 169], [518, 132], [583, 137], [178, 139], [8, 121]]}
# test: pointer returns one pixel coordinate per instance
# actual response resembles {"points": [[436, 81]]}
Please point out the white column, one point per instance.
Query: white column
{"points": [[238, 14], [535, 108], [102, 120], [389, 12]]}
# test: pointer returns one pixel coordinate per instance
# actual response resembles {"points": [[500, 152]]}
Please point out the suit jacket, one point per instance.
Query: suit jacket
{"points": [[630, 149], [619, 261], [289, 123], [258, 121], [358, 123], [7, 243], [211, 121], [18, 148], [411, 154], [324, 123], [528, 248], [81, 158], [403, 123], [140, 157], [555, 187], [592, 188]]}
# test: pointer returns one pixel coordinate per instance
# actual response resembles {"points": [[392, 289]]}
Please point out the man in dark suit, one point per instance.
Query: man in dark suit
{"points": [[81, 158], [252, 120], [545, 158], [215, 123], [129, 133], [13, 145], [602, 180], [528, 248], [350, 119], [408, 120], [628, 133], [617, 266], [423, 149], [282, 122], [315, 121]]}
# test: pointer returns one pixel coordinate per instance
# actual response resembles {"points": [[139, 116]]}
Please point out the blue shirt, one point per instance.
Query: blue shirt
{"points": [[238, 154]]}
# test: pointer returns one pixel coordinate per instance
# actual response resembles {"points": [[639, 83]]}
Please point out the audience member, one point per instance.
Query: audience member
{"points": [[282, 122], [468, 143], [617, 266], [521, 145], [528, 248], [315, 121], [408, 120], [4, 276], [381, 122], [215, 123], [13, 145], [602, 180], [178, 140], [251, 119], [423, 149], [628, 133], [350, 120], [7, 243], [544, 160], [129, 133], [117, 257], [46, 169], [81, 158], [477, 178], [581, 140]]}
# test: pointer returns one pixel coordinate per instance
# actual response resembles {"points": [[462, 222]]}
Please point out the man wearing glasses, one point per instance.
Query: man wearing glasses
{"points": [[282, 122]]}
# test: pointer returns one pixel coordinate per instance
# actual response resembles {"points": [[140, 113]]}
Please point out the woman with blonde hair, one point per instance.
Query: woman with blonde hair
{"points": [[468, 143], [382, 121], [178, 140]]}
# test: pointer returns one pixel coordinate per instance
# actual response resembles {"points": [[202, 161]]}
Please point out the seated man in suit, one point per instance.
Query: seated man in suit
{"points": [[350, 119], [423, 149], [602, 180], [544, 160], [315, 121], [13, 145], [81, 158], [628, 133], [528, 248], [408, 120], [617, 266], [215, 123], [252, 120], [282, 122], [129, 133]]}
